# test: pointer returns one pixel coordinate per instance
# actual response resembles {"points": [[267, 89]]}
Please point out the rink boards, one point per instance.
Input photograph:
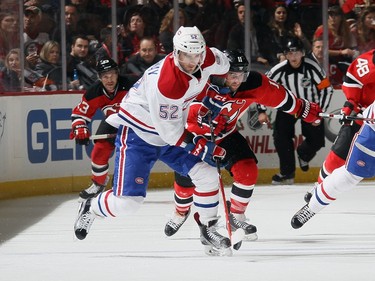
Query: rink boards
{"points": [[37, 156]]}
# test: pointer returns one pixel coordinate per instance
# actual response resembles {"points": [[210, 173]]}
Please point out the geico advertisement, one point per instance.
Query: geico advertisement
{"points": [[34, 137]]}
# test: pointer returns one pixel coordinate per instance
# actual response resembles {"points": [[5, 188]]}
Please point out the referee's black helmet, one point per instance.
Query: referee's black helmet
{"points": [[293, 44]]}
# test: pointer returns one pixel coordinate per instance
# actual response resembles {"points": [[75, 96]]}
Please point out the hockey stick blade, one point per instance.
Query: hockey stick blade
{"points": [[341, 116], [237, 237]]}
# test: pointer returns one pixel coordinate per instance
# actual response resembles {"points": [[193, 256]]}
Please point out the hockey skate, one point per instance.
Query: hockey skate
{"points": [[175, 222], [280, 179], [302, 216], [215, 244], [93, 190], [309, 194], [84, 220], [238, 221]]}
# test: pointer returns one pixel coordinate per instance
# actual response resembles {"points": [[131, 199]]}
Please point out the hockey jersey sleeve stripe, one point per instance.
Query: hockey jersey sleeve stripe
{"points": [[131, 120]]}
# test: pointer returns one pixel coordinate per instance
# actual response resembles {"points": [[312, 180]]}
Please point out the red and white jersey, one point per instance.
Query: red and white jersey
{"points": [[258, 88], [359, 81], [96, 98], [156, 107]]}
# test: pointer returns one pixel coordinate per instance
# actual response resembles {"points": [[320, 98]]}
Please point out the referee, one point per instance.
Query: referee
{"points": [[305, 78]]}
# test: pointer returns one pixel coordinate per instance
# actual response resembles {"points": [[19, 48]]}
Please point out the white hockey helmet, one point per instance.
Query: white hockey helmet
{"points": [[189, 40]]}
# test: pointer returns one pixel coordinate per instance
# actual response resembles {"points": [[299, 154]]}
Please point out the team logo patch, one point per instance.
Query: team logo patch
{"points": [[139, 180], [361, 163], [305, 82]]}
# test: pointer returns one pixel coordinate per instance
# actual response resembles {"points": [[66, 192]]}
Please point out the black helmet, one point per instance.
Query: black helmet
{"points": [[293, 44], [238, 61], [105, 65]]}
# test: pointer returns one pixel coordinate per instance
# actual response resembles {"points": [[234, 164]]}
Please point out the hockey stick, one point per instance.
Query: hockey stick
{"points": [[236, 239], [341, 116], [103, 136]]}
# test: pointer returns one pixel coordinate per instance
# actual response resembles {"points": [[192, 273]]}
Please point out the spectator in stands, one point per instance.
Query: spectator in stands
{"points": [[105, 48], [147, 56], [206, 15], [159, 8], [276, 33], [166, 29], [31, 54], [72, 28], [236, 39], [366, 30], [133, 31], [78, 63], [50, 65], [10, 73], [352, 8], [93, 16], [9, 35], [32, 25], [317, 50], [341, 44]]}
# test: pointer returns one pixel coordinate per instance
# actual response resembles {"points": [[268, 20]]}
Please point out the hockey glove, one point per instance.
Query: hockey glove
{"points": [[210, 105], [220, 125], [309, 112], [350, 108], [80, 132], [206, 150]]}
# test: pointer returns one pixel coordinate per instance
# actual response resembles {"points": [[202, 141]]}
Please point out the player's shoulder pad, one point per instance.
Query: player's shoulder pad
{"points": [[94, 91], [253, 81], [172, 83], [210, 58]]}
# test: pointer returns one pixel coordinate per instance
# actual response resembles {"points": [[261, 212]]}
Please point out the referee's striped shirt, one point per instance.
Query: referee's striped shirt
{"points": [[308, 81]]}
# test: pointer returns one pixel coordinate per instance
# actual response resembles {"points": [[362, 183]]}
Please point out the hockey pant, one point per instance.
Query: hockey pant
{"points": [[360, 164], [133, 163], [339, 151]]}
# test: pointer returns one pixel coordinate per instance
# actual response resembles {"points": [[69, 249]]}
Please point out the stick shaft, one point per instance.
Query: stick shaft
{"points": [[103, 136], [341, 116], [221, 184]]}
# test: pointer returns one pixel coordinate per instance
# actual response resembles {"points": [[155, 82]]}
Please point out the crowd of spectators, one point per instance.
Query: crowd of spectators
{"points": [[88, 30]]}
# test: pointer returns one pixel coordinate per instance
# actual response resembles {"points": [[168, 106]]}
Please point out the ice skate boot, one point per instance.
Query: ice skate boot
{"points": [[280, 179], [215, 244], [239, 221], [302, 216], [93, 190], [84, 220], [175, 222], [310, 193]]}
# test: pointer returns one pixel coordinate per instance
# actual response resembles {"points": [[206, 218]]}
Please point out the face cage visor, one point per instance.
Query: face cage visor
{"points": [[187, 62]]}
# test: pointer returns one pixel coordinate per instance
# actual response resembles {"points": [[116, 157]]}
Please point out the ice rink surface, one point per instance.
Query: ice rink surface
{"points": [[38, 243]]}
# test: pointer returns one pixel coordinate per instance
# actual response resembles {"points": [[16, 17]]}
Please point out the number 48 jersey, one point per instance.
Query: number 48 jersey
{"points": [[359, 81]]}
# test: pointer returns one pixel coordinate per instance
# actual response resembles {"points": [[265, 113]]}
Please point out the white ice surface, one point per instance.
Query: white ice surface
{"points": [[337, 244]]}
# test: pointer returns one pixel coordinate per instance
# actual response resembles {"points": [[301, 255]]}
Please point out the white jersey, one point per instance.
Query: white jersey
{"points": [[370, 113], [156, 107]]}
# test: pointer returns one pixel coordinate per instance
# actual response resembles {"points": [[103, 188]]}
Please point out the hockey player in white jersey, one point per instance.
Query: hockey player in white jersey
{"points": [[359, 164], [151, 126]]}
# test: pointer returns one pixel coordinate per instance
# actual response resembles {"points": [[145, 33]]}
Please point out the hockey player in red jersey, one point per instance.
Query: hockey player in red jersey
{"points": [[105, 95], [241, 89], [359, 89]]}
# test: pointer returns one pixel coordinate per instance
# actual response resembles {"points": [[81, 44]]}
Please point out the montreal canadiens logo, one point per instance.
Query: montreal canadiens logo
{"points": [[361, 163], [139, 180]]}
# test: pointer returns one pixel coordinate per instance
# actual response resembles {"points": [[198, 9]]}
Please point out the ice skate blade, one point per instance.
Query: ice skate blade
{"points": [[212, 251], [250, 237]]}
